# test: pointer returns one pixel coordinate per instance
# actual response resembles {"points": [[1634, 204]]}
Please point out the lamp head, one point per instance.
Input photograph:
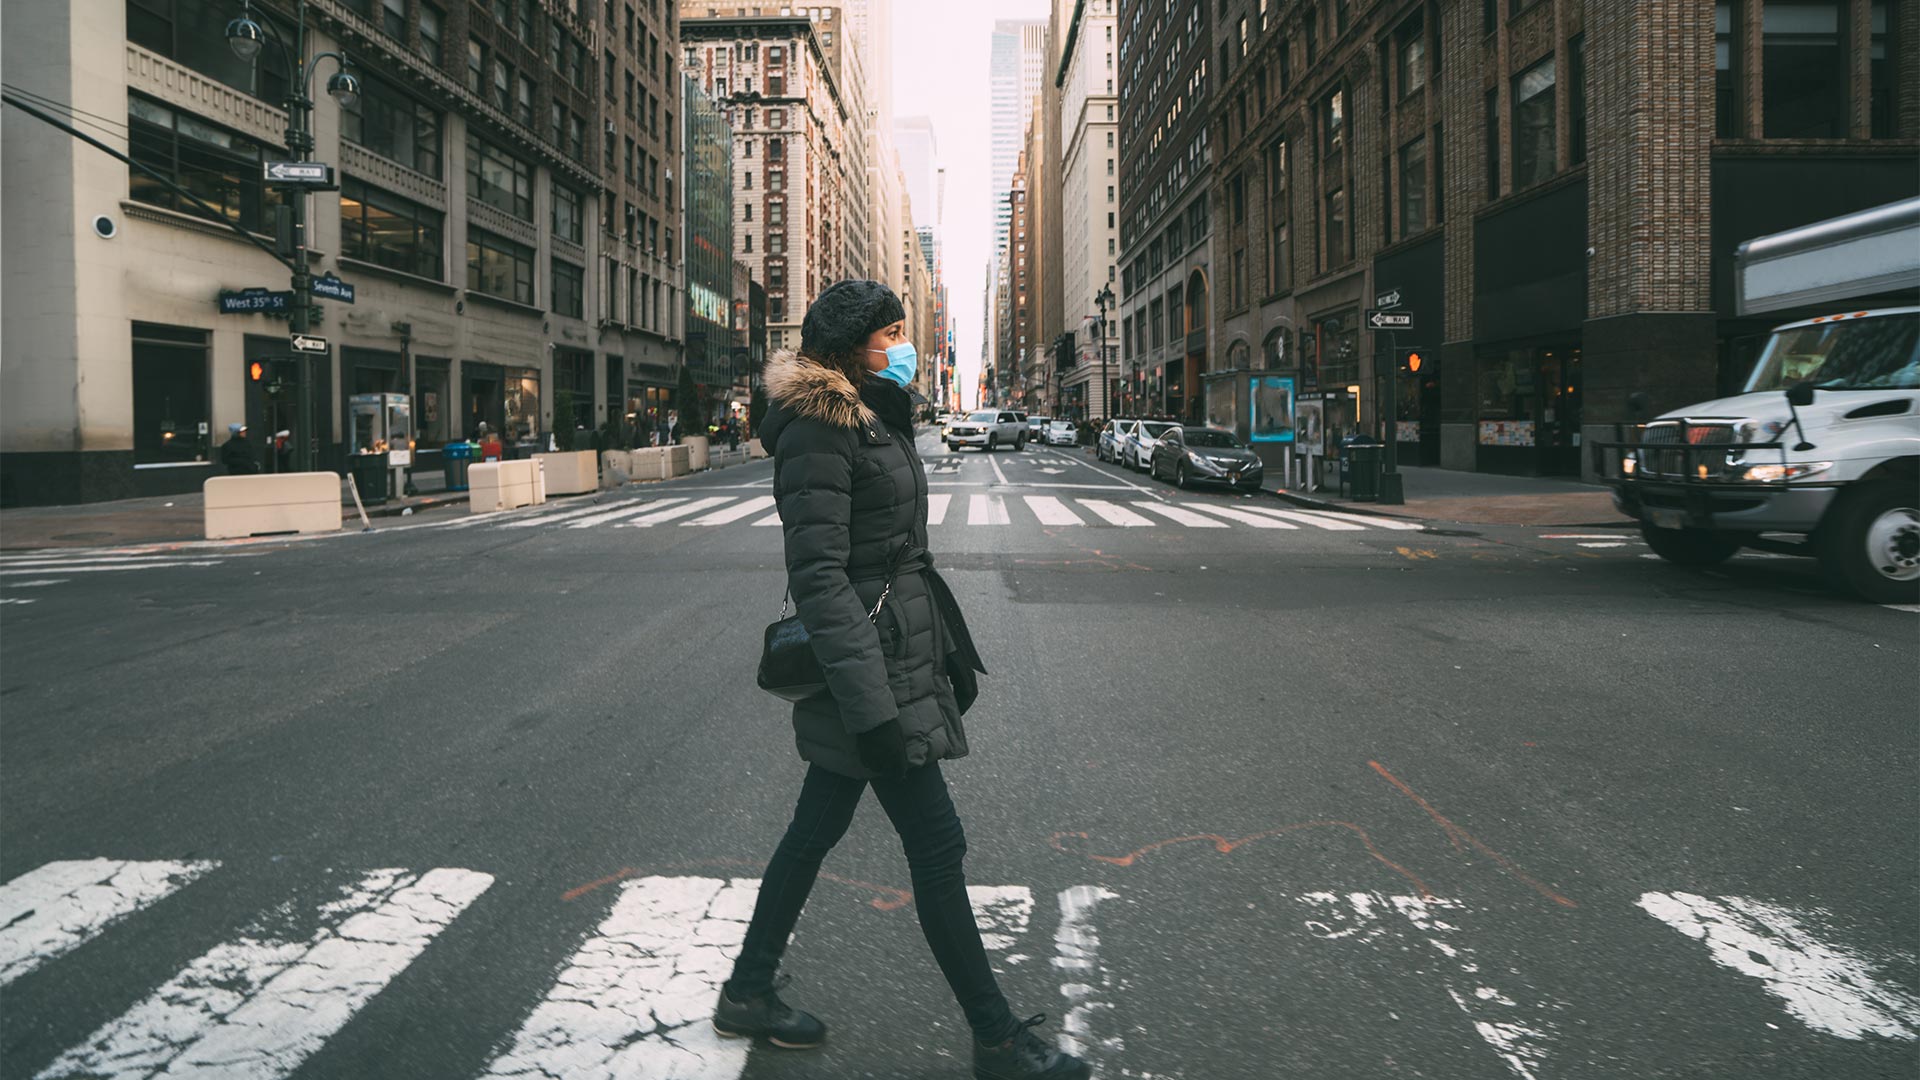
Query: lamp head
{"points": [[245, 37], [344, 88]]}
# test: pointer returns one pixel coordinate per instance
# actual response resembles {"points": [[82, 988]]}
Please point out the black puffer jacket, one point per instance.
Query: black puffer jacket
{"points": [[852, 497]]}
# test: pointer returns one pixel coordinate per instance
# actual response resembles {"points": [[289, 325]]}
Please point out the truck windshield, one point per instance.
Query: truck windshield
{"points": [[1881, 352]]}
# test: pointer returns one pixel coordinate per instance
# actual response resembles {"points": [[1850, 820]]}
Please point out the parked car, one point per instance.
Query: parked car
{"points": [[988, 429], [1112, 438], [1190, 454], [1141, 441], [1062, 433]]}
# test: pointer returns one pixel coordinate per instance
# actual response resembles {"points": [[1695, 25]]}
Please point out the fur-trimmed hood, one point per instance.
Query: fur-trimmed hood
{"points": [[798, 387]]}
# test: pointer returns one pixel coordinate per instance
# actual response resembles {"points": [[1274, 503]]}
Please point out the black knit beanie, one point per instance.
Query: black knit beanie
{"points": [[845, 314]]}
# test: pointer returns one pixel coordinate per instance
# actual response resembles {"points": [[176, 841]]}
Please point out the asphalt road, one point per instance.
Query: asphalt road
{"points": [[1251, 796]]}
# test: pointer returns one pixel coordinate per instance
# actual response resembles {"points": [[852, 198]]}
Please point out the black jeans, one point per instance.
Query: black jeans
{"points": [[923, 815]]}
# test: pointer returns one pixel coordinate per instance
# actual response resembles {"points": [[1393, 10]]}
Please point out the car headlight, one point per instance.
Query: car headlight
{"points": [[1780, 474]]}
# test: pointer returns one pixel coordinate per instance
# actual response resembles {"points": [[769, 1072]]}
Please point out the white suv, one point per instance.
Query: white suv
{"points": [[988, 429], [1138, 449]]}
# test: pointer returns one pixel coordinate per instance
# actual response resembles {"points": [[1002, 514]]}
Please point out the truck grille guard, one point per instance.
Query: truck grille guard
{"points": [[1680, 452]]}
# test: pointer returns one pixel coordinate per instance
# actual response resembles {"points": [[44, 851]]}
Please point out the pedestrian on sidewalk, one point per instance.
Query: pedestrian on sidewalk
{"points": [[899, 668], [239, 455]]}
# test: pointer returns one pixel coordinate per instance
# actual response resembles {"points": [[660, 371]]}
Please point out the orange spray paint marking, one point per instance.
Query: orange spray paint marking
{"points": [[1461, 838], [1226, 847], [887, 897]]}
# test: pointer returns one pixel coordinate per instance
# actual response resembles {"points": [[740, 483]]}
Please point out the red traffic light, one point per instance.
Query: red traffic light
{"points": [[1413, 361], [256, 371]]}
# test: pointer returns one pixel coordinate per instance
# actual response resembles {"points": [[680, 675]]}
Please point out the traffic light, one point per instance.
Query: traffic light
{"points": [[256, 371], [278, 376], [1411, 361]]}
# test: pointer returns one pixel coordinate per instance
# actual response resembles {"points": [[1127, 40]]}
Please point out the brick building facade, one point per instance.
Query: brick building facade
{"points": [[1553, 188]]}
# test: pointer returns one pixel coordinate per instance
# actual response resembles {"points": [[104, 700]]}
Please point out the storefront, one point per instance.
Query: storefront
{"points": [[650, 403], [483, 394], [1528, 408]]}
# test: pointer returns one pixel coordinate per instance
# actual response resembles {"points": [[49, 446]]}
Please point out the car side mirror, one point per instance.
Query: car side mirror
{"points": [[1800, 395]]}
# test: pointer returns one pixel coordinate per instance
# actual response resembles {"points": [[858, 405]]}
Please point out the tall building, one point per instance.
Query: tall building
{"points": [[711, 288], [1041, 248], [1017, 65], [643, 279], [919, 150], [1088, 126], [1355, 169], [798, 187], [469, 169], [1166, 261]]}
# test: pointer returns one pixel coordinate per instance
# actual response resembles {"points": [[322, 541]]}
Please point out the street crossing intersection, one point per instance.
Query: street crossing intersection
{"points": [[632, 998]]}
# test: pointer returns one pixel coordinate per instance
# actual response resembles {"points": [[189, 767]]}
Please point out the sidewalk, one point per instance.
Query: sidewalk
{"points": [[164, 518], [1472, 498]]}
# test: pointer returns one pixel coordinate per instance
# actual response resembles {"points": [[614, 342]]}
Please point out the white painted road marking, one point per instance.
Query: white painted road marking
{"points": [[734, 513], [1183, 517], [531, 521], [1114, 514], [1308, 517], [1051, 511], [1236, 514], [648, 521], [1076, 947], [1826, 986], [636, 507], [937, 508], [986, 510], [1374, 521], [68, 569], [636, 999], [60, 906], [259, 1005]]}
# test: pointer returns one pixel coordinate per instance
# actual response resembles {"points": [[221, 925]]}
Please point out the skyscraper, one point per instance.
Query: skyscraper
{"points": [[1018, 63]]}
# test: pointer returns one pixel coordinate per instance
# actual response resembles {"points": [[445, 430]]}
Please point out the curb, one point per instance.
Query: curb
{"points": [[1312, 503]]}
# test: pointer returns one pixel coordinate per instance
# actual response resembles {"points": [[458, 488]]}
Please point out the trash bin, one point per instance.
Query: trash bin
{"points": [[370, 476], [1360, 460], [455, 458]]}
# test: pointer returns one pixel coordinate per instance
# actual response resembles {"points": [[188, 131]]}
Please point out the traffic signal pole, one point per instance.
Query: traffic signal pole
{"points": [[1392, 489]]}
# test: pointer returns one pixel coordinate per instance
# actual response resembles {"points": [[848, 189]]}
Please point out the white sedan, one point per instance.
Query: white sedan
{"points": [[1141, 441], [1061, 433]]}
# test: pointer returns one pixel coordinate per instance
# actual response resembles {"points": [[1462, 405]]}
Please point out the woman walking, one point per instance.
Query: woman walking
{"points": [[852, 497]]}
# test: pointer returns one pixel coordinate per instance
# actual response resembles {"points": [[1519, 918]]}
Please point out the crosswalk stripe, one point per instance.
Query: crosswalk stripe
{"points": [[937, 508], [534, 521], [770, 520], [734, 513], [1374, 521], [1051, 511], [1114, 514], [624, 511], [50, 559], [986, 510], [635, 999], [259, 1005], [68, 569], [60, 906], [1232, 513], [1312, 518], [645, 521], [1183, 517]]}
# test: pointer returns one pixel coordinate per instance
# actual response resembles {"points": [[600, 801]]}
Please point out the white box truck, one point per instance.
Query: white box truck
{"points": [[1819, 455]]}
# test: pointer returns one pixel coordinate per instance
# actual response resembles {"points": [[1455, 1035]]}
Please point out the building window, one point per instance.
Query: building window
{"points": [[170, 395], [1533, 125], [1413, 187], [569, 213], [1492, 128], [476, 67], [1279, 251], [1577, 99], [1239, 277], [777, 214], [431, 20], [1411, 57], [219, 166], [499, 267], [193, 32], [569, 288], [393, 18], [1157, 316], [1439, 176], [1238, 193], [576, 138], [1727, 111], [384, 229], [499, 179], [1881, 99], [606, 75], [393, 125], [1333, 113], [1335, 225], [1803, 70]]}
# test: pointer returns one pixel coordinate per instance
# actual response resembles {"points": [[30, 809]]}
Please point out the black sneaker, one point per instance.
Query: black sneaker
{"points": [[765, 1014], [1026, 1057]]}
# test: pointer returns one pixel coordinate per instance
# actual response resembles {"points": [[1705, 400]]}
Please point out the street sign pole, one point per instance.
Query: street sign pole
{"points": [[1392, 490]]}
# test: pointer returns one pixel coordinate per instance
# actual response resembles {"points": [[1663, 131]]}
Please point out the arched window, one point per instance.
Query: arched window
{"points": [[1274, 349], [1237, 356]]}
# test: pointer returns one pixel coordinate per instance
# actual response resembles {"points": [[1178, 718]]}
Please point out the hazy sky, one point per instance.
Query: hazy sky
{"points": [[940, 70]]}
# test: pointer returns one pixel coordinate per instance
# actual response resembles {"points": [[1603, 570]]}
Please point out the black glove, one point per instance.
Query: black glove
{"points": [[883, 749]]}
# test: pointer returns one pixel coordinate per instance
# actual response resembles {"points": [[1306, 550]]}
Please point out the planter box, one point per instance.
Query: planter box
{"points": [[699, 452], [236, 506], [755, 450], [501, 485], [616, 467], [570, 472]]}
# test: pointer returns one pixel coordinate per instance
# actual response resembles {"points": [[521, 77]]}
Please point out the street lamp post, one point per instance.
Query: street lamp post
{"points": [[245, 37], [1103, 298]]}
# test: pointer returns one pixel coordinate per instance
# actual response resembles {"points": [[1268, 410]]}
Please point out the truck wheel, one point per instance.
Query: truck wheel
{"points": [[1690, 547], [1870, 544]]}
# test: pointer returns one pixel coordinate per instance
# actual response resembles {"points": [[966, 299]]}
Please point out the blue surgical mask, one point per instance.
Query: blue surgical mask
{"points": [[903, 361]]}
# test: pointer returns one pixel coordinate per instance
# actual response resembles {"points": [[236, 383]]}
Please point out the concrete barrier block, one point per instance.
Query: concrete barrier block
{"points": [[616, 468], [500, 485], [680, 460], [236, 506], [699, 452], [755, 449]]}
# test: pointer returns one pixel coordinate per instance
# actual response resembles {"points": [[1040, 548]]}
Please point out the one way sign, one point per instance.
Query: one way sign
{"points": [[308, 343], [1390, 320]]}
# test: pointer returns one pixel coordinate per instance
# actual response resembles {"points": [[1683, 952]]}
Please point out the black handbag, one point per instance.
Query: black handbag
{"points": [[788, 668]]}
